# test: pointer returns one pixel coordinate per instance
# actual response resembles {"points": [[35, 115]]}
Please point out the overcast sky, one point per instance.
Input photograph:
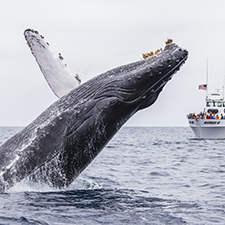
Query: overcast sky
{"points": [[97, 35]]}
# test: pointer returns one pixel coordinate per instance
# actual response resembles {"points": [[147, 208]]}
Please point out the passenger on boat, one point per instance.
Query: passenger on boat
{"points": [[191, 116], [205, 115]]}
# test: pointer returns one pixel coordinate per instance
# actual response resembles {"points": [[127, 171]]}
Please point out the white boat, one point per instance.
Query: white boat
{"points": [[210, 124]]}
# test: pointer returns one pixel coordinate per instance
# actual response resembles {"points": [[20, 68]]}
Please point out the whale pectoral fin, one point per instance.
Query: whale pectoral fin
{"points": [[58, 77]]}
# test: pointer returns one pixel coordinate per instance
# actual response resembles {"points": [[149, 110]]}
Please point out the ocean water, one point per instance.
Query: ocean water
{"points": [[145, 175]]}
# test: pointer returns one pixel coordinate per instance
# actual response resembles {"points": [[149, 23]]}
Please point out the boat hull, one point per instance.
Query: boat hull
{"points": [[208, 128]]}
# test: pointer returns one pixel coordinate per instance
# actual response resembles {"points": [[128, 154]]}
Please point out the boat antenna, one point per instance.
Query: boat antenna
{"points": [[223, 92], [207, 78], [223, 87]]}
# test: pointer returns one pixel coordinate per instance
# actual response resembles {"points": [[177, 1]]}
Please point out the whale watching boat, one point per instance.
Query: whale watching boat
{"points": [[209, 124]]}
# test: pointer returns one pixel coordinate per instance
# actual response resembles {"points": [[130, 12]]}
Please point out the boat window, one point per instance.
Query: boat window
{"points": [[219, 104], [213, 111], [214, 104], [208, 104]]}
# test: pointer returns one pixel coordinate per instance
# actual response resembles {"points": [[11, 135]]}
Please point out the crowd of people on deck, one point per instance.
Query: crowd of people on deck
{"points": [[205, 115]]}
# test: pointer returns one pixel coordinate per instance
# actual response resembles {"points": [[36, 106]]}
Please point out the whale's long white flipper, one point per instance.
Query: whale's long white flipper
{"points": [[59, 78]]}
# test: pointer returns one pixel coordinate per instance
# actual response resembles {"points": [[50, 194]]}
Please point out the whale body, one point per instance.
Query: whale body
{"points": [[60, 143]]}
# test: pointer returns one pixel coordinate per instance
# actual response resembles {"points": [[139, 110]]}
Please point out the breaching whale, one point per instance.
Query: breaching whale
{"points": [[60, 143], [55, 71]]}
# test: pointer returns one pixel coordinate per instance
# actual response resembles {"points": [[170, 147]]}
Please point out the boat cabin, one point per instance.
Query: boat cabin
{"points": [[215, 104]]}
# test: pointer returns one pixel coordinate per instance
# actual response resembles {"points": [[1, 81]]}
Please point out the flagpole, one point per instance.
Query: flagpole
{"points": [[207, 78], [223, 86]]}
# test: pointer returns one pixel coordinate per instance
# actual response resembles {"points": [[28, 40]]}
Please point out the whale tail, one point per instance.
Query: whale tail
{"points": [[58, 77]]}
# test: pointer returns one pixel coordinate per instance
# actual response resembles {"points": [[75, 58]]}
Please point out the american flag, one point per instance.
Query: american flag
{"points": [[202, 86]]}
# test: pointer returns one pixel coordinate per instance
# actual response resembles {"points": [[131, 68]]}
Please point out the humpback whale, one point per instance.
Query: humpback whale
{"points": [[55, 71], [62, 141]]}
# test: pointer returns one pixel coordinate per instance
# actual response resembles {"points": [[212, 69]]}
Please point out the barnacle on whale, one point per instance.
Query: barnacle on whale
{"points": [[169, 41], [60, 56], [78, 78], [148, 55], [158, 51]]}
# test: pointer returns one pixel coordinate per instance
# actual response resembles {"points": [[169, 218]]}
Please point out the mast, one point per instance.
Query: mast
{"points": [[223, 92], [223, 87], [207, 78]]}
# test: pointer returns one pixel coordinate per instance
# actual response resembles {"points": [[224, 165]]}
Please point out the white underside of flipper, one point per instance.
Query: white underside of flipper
{"points": [[59, 78]]}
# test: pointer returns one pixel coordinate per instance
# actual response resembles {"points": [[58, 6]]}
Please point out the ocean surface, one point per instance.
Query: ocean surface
{"points": [[145, 175]]}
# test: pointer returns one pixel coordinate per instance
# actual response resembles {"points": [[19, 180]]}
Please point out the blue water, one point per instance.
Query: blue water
{"points": [[152, 175]]}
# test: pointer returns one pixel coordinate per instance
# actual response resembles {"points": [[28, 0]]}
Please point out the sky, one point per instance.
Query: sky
{"points": [[96, 36]]}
